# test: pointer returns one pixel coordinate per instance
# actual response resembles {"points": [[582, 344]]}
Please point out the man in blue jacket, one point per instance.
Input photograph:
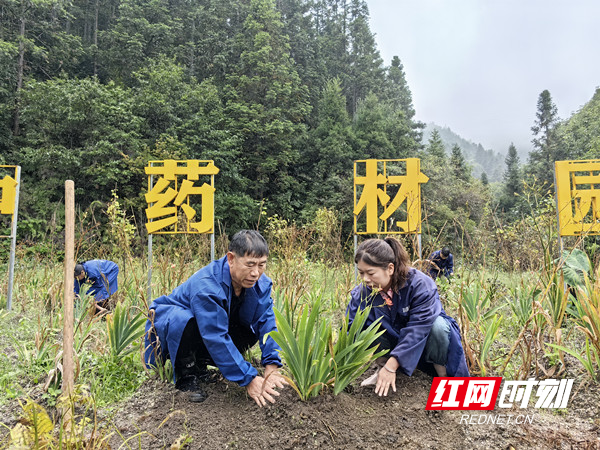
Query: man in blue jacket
{"points": [[213, 317], [102, 275], [444, 263]]}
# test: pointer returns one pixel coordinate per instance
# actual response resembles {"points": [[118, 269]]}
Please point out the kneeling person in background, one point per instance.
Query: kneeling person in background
{"points": [[102, 275]]}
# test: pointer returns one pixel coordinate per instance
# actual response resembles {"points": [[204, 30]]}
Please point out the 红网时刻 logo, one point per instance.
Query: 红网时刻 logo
{"points": [[483, 393]]}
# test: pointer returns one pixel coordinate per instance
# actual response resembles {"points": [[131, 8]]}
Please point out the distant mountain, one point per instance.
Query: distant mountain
{"points": [[480, 159]]}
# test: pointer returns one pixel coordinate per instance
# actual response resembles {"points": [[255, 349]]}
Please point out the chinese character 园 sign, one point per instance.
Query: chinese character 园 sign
{"points": [[179, 201], [578, 197], [387, 196]]}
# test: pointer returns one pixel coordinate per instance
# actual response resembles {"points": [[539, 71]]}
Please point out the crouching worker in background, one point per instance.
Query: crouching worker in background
{"points": [[418, 332], [213, 317], [442, 262], [102, 275]]}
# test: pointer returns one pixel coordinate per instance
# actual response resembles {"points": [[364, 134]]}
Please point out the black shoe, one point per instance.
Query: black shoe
{"points": [[207, 376], [197, 397], [187, 383], [192, 384]]}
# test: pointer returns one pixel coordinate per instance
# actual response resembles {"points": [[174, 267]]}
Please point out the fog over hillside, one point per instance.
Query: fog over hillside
{"points": [[480, 159]]}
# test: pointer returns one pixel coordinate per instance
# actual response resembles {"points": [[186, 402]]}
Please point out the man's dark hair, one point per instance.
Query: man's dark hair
{"points": [[249, 243], [445, 252], [79, 269]]}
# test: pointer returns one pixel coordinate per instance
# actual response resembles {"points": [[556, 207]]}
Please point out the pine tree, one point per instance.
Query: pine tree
{"points": [[397, 92], [327, 161], [484, 179], [405, 132], [365, 74], [512, 179], [512, 175], [435, 147], [267, 106], [459, 165], [370, 127], [545, 143], [299, 24]]}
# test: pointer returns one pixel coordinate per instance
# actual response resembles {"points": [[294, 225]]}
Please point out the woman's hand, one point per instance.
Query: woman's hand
{"points": [[386, 377]]}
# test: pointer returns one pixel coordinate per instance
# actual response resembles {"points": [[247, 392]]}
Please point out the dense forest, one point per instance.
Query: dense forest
{"points": [[282, 94]]}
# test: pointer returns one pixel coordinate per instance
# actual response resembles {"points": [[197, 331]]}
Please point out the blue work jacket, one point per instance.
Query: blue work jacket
{"points": [[206, 298], [446, 265], [410, 319], [102, 275]]}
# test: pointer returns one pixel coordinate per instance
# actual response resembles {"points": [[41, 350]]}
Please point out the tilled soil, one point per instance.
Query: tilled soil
{"points": [[158, 416]]}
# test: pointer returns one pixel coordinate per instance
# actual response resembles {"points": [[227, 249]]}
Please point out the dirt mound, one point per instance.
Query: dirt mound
{"points": [[159, 416]]}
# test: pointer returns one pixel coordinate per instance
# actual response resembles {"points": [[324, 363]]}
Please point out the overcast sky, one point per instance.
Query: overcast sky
{"points": [[478, 66]]}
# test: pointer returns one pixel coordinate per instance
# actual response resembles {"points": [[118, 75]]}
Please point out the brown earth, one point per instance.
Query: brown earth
{"points": [[158, 416]]}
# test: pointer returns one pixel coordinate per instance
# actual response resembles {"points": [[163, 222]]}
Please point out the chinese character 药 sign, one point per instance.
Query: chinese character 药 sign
{"points": [[180, 196]]}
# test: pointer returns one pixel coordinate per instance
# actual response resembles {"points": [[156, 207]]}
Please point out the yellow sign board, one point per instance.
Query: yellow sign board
{"points": [[578, 197], [387, 196], [8, 193], [176, 195]]}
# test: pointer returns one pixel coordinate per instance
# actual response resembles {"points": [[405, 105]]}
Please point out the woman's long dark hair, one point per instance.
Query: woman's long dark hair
{"points": [[380, 253]]}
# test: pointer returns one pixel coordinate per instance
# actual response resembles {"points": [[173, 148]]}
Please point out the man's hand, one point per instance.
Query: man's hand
{"points": [[261, 392], [273, 377]]}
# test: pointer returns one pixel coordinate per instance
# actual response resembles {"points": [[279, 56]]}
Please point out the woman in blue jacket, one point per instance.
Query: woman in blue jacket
{"points": [[418, 332], [213, 317], [103, 277]]}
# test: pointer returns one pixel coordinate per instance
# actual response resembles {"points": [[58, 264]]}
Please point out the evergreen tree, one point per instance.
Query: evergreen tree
{"points": [[435, 148], [545, 144], [484, 179], [370, 127], [397, 92], [143, 29], [580, 135], [512, 180], [327, 162], [267, 105], [460, 168], [204, 41], [331, 23], [365, 66], [299, 24], [81, 130], [512, 175], [405, 132]]}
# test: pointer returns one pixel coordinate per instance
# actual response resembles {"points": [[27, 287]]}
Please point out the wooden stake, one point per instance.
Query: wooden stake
{"points": [[68, 299]]}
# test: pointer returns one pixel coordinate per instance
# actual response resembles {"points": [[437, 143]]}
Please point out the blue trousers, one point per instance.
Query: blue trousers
{"points": [[436, 349]]}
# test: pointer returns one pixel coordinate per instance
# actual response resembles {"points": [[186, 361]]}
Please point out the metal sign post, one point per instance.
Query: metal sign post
{"points": [[149, 298], [11, 186]]}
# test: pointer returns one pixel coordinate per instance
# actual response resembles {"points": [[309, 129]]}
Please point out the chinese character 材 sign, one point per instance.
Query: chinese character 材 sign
{"points": [[181, 199], [578, 197], [387, 196]]}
